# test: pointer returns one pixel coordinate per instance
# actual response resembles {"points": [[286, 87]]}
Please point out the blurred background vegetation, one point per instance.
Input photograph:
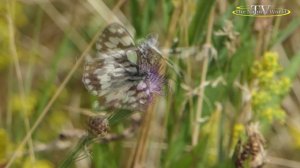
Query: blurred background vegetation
{"points": [[235, 71]]}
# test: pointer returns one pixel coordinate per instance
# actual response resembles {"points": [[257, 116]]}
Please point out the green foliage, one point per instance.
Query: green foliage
{"points": [[241, 76]]}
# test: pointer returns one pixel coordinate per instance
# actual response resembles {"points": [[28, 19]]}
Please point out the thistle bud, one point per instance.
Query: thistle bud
{"points": [[251, 152], [98, 126]]}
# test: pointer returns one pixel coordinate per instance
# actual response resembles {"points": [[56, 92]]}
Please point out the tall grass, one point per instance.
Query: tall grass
{"points": [[221, 76]]}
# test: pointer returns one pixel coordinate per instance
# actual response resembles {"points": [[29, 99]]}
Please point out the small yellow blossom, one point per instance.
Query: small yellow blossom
{"points": [[265, 69], [279, 86], [284, 84], [238, 130], [267, 114], [58, 119], [260, 97], [54, 123], [27, 106], [273, 113], [279, 114], [270, 61]]}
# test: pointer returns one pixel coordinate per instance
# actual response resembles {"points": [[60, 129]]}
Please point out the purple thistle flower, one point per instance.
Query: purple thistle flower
{"points": [[155, 80], [152, 83]]}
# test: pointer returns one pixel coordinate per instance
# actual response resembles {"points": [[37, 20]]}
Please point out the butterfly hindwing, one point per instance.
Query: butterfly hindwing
{"points": [[127, 97], [108, 71]]}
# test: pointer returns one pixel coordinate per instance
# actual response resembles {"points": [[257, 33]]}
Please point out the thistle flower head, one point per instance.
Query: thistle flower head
{"points": [[250, 152], [152, 83], [149, 65], [155, 80], [98, 126]]}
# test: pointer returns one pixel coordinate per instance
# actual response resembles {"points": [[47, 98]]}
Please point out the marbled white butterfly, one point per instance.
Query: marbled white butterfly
{"points": [[125, 75]]}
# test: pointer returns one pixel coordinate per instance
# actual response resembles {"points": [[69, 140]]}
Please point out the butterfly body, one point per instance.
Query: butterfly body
{"points": [[125, 75]]}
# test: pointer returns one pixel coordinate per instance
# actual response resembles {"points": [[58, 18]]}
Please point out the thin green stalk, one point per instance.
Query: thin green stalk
{"points": [[84, 141], [196, 128], [13, 49]]}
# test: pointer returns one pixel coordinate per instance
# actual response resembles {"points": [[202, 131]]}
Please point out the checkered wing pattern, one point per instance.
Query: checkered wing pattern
{"points": [[111, 75], [114, 37]]}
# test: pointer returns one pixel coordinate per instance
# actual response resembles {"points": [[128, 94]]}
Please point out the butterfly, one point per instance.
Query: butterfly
{"points": [[125, 75]]}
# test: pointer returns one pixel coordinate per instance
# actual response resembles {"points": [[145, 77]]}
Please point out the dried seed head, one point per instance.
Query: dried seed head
{"points": [[98, 126], [232, 37], [251, 152]]}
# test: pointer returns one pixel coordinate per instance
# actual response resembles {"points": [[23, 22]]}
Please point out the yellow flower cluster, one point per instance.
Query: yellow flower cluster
{"points": [[27, 105], [270, 87], [260, 97], [273, 113], [280, 86], [265, 69], [19, 20]]}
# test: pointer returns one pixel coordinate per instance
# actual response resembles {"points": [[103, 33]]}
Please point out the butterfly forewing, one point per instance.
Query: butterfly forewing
{"points": [[114, 37]]}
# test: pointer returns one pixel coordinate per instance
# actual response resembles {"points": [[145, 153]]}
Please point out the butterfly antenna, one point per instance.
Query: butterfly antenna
{"points": [[173, 66]]}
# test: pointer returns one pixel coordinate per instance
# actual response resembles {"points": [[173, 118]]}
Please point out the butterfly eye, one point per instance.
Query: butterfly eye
{"points": [[132, 56]]}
